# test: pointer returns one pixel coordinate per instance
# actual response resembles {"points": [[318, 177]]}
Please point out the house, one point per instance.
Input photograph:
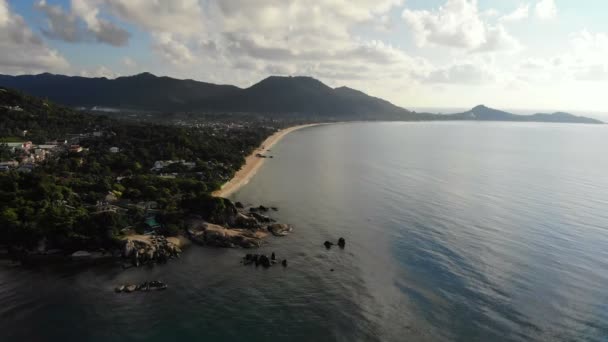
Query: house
{"points": [[75, 148], [10, 164], [40, 154], [57, 142], [23, 145], [159, 165], [48, 148], [114, 150], [26, 168]]}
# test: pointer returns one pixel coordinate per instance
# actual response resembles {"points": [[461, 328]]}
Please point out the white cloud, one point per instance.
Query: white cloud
{"points": [[182, 17], [457, 24], [67, 26], [172, 50], [100, 71], [546, 9], [129, 62], [462, 74], [520, 13], [22, 50]]}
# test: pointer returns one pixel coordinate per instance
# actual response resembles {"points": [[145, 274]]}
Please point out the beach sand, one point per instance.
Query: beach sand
{"points": [[253, 163]]}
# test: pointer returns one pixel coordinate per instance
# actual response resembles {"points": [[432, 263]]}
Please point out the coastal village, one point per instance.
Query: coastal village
{"points": [[103, 179]]}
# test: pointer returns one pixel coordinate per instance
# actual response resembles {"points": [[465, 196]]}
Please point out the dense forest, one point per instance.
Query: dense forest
{"points": [[87, 191]]}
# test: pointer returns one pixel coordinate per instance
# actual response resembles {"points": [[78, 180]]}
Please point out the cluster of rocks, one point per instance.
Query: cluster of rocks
{"points": [[238, 227], [341, 243], [152, 249], [262, 260], [146, 286]]}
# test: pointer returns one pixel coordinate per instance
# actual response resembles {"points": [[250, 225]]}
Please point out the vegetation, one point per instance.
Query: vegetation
{"points": [[83, 200]]}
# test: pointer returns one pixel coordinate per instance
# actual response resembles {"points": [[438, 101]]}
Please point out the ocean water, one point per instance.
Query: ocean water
{"points": [[455, 231]]}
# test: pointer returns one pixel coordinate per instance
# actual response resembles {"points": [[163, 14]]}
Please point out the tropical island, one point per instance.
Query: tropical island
{"points": [[112, 173], [88, 186]]}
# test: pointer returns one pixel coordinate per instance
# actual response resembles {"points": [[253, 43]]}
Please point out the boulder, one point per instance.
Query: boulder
{"points": [[119, 289], [264, 261], [328, 244], [341, 242], [130, 288], [245, 221], [79, 255], [262, 208], [284, 262], [279, 229], [239, 205], [261, 218], [128, 248]]}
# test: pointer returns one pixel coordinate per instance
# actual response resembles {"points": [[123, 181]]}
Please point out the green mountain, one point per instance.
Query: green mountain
{"points": [[303, 96], [483, 113]]}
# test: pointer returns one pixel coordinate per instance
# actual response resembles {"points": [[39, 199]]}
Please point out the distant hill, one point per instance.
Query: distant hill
{"points": [[144, 91], [483, 113], [273, 95]]}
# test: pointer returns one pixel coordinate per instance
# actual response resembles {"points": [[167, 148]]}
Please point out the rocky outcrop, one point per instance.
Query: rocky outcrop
{"points": [[154, 285], [262, 260], [143, 249], [215, 235], [279, 229], [245, 221], [261, 218]]}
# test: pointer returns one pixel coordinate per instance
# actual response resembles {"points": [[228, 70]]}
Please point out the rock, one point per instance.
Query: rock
{"points": [[119, 289], [341, 242], [331, 270], [253, 210], [239, 205], [328, 244], [128, 248], [279, 229], [262, 208], [264, 261], [245, 221], [274, 208], [261, 218], [284, 262], [79, 255], [273, 257], [130, 288]]}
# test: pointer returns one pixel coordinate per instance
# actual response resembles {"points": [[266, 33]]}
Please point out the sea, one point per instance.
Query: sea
{"points": [[455, 231]]}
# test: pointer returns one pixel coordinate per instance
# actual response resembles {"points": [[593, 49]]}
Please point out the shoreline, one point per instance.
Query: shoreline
{"points": [[253, 163]]}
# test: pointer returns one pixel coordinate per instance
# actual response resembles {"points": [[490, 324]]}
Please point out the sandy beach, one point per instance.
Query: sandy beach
{"points": [[253, 163]]}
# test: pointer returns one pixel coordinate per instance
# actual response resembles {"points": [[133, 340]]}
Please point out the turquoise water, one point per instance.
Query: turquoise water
{"points": [[455, 231]]}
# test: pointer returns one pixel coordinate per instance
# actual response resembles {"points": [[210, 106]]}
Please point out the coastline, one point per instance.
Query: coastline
{"points": [[253, 163]]}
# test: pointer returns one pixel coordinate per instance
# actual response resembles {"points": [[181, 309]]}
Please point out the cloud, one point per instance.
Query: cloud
{"points": [[520, 13], [468, 74], [546, 9], [22, 50], [172, 50], [458, 24], [100, 71], [129, 62], [178, 17], [68, 26]]}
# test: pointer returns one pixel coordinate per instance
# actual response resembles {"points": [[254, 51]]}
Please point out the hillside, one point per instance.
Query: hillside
{"points": [[483, 113], [303, 97]]}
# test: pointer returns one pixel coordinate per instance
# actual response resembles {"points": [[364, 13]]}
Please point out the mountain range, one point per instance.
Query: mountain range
{"points": [[273, 95]]}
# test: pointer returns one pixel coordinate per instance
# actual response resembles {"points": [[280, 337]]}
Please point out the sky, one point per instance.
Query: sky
{"points": [[509, 54]]}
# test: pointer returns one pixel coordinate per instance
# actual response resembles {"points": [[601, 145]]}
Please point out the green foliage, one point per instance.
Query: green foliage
{"points": [[62, 199]]}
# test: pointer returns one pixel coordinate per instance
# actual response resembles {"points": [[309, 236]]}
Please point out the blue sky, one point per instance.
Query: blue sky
{"points": [[545, 54]]}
